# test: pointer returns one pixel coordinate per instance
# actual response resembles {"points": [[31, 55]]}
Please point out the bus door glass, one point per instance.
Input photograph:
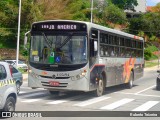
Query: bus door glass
{"points": [[93, 46]]}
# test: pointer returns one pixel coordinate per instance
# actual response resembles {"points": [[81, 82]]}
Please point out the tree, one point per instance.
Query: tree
{"points": [[125, 4], [8, 16], [115, 15], [156, 8], [149, 23], [9, 20], [79, 9], [110, 14]]}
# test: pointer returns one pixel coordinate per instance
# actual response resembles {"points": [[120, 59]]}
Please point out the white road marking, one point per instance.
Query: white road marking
{"points": [[145, 89], [146, 106], [57, 102], [117, 104], [91, 101], [21, 92], [138, 94], [31, 100], [66, 100]]}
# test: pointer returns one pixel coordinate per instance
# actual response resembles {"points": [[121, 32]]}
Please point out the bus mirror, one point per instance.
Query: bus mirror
{"points": [[95, 46], [25, 42]]}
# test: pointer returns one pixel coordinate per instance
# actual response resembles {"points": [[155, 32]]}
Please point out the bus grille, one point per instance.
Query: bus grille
{"points": [[54, 78], [48, 85]]}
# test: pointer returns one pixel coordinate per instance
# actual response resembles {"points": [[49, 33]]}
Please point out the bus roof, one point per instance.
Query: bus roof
{"points": [[96, 26]]}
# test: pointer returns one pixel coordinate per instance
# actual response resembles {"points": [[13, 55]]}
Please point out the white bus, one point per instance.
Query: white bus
{"points": [[82, 56]]}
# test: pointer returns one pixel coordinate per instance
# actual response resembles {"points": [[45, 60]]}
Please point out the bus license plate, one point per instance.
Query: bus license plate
{"points": [[53, 83]]}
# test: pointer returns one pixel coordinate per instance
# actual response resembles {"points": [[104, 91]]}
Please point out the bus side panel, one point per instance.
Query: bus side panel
{"points": [[95, 73], [139, 70]]}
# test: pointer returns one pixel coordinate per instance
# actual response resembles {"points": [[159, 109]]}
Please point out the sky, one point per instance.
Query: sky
{"points": [[152, 2]]}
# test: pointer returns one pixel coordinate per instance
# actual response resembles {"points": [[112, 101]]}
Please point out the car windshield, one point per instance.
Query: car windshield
{"points": [[58, 48], [20, 62]]}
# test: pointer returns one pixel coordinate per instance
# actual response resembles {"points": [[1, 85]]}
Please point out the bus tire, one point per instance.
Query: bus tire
{"points": [[101, 87], [158, 87], [158, 84], [54, 92], [129, 85], [10, 104]]}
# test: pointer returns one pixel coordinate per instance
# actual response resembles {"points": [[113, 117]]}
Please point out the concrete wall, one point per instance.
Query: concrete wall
{"points": [[142, 6]]}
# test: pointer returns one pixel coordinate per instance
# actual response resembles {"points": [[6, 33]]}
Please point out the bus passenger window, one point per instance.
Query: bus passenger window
{"points": [[102, 51], [106, 51]]}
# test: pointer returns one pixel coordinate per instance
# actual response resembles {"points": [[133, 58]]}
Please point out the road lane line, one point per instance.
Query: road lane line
{"points": [[57, 102], [124, 93], [65, 100], [31, 100], [138, 94], [21, 92], [117, 104], [91, 101], [146, 106], [145, 89]]}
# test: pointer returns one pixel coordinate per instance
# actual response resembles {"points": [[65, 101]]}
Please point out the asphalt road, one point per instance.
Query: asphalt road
{"points": [[142, 97]]}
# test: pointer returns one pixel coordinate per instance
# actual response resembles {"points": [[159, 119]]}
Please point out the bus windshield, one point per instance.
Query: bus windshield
{"points": [[58, 48]]}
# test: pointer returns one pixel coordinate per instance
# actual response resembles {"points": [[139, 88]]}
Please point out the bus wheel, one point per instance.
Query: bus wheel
{"points": [[54, 92], [130, 83], [100, 88], [158, 87], [158, 84]]}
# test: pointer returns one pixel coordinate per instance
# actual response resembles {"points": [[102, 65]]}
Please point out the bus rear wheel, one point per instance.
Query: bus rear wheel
{"points": [[100, 88]]}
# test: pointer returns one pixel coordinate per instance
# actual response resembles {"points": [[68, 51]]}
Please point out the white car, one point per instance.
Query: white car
{"points": [[21, 64], [8, 91]]}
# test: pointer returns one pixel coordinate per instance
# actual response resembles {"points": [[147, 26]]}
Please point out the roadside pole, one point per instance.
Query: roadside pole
{"points": [[18, 37]]}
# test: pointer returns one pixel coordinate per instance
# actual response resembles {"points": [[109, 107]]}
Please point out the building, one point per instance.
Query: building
{"points": [[139, 9]]}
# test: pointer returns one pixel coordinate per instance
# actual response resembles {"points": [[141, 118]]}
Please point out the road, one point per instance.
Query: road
{"points": [[142, 97]]}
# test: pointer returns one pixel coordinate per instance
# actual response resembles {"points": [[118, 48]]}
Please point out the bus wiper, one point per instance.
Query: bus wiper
{"points": [[65, 41], [47, 41]]}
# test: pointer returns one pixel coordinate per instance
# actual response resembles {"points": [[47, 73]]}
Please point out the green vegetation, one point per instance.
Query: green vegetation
{"points": [[151, 63], [125, 4], [109, 13], [148, 52]]}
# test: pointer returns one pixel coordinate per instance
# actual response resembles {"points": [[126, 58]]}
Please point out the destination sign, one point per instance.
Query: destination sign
{"points": [[57, 26]]}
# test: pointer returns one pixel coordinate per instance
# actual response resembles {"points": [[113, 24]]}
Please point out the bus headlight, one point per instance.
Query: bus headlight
{"points": [[79, 76]]}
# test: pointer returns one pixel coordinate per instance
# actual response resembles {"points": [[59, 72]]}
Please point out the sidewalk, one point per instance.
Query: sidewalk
{"points": [[155, 68]]}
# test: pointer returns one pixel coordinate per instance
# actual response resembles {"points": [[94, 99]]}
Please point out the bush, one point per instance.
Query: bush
{"points": [[147, 54], [152, 48]]}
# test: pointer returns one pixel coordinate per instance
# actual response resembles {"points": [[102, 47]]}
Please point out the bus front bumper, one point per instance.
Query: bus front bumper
{"points": [[59, 84]]}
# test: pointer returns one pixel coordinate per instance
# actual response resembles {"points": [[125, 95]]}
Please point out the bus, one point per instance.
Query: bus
{"points": [[68, 55]]}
